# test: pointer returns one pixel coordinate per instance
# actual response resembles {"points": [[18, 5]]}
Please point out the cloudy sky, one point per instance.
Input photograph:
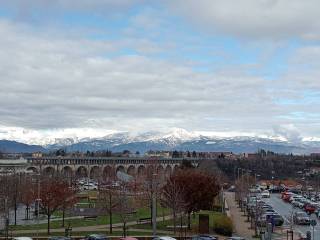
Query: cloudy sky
{"points": [[90, 67]]}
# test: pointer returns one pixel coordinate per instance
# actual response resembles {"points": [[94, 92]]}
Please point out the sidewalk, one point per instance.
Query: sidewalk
{"points": [[242, 227]]}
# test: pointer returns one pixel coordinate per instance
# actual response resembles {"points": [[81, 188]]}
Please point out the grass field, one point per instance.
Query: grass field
{"points": [[100, 220], [162, 225]]}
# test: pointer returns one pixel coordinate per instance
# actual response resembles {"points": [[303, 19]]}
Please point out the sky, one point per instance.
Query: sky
{"points": [[86, 68]]}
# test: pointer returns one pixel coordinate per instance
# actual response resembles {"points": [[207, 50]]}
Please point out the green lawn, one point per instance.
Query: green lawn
{"points": [[101, 220], [162, 225]]}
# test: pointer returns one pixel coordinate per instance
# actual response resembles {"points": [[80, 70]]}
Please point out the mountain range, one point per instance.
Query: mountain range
{"points": [[178, 139]]}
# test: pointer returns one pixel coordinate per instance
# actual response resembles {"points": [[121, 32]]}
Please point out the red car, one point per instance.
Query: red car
{"points": [[286, 196], [309, 208]]}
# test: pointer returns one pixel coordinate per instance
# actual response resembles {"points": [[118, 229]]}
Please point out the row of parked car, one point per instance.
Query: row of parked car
{"points": [[263, 212], [87, 184], [303, 202]]}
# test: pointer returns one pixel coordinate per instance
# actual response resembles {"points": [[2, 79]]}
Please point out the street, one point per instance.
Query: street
{"points": [[286, 210]]}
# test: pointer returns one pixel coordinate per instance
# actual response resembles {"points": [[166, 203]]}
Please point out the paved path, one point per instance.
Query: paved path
{"points": [[242, 228], [90, 228]]}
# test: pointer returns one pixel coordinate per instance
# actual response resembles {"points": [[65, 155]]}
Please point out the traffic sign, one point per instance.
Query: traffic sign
{"points": [[313, 222]]}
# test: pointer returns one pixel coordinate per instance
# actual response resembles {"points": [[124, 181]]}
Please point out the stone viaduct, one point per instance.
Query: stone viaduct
{"points": [[97, 167]]}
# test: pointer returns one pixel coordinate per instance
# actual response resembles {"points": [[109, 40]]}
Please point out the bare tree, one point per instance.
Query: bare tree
{"points": [[152, 183], [173, 198], [52, 196], [68, 199], [109, 200], [28, 195], [126, 205]]}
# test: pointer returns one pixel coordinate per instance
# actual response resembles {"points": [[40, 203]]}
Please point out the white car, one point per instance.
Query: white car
{"points": [[22, 238], [265, 194], [90, 186], [164, 238]]}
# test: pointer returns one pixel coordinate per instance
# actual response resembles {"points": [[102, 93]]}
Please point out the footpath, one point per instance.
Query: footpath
{"points": [[242, 227]]}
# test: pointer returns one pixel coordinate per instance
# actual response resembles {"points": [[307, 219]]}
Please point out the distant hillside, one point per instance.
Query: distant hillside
{"points": [[184, 141], [175, 140], [7, 146]]}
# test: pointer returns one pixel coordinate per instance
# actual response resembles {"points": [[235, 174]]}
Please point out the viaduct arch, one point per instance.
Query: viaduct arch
{"points": [[105, 168]]}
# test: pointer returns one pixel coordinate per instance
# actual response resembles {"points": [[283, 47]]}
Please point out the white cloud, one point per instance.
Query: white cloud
{"points": [[60, 80], [288, 132], [53, 82], [258, 19], [32, 9]]}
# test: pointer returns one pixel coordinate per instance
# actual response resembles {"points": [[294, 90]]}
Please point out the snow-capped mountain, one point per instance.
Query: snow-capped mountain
{"points": [[179, 139]]}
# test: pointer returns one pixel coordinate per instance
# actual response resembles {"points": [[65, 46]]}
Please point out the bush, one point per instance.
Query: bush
{"points": [[223, 225]]}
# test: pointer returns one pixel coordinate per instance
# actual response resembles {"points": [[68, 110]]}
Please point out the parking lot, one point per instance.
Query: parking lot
{"points": [[285, 209]]}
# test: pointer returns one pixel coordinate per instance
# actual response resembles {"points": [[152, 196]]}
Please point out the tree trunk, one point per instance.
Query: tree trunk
{"points": [[124, 229], [110, 213], [15, 212], [162, 215], [63, 214], [189, 221], [27, 213], [49, 216], [110, 221], [174, 222], [151, 212]]}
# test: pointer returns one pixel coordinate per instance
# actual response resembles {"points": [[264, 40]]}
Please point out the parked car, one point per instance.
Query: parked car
{"points": [[309, 208], [128, 238], [265, 194], [274, 218], [164, 238], [301, 218], [297, 204], [96, 237], [90, 186], [59, 238], [286, 196], [235, 238], [203, 237], [22, 238], [269, 211]]}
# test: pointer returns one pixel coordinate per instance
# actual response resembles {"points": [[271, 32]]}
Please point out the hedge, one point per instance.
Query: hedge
{"points": [[223, 225]]}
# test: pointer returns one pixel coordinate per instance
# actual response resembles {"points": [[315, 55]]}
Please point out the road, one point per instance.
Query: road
{"points": [[285, 210]]}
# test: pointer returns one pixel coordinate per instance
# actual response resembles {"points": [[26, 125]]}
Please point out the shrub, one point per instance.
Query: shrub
{"points": [[223, 225]]}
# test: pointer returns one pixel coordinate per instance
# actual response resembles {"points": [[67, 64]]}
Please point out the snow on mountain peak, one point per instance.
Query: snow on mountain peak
{"points": [[181, 134]]}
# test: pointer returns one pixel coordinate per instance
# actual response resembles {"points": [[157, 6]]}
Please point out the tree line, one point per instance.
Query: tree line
{"points": [[186, 191]]}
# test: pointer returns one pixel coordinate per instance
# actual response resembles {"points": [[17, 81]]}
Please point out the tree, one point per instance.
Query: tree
{"points": [[186, 164], [199, 189], [173, 198], [52, 196], [125, 206], [109, 200], [68, 199], [28, 195], [152, 182]]}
